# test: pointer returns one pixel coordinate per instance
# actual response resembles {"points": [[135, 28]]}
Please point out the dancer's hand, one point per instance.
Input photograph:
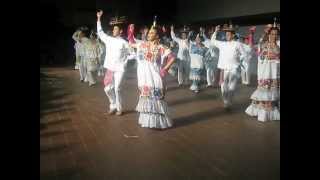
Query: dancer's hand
{"points": [[202, 30], [163, 72], [99, 14], [217, 28], [172, 28]]}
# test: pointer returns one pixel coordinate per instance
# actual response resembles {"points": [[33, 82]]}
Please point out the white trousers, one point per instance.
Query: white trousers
{"points": [[183, 71], [113, 91], [229, 85], [245, 77], [211, 69], [101, 68], [77, 64], [92, 70], [83, 69]]}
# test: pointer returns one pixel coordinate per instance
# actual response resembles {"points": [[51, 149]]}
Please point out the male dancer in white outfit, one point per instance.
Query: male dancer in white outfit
{"points": [[210, 60], [183, 56], [248, 46], [117, 50], [92, 54], [76, 38], [83, 63], [229, 63], [102, 50]]}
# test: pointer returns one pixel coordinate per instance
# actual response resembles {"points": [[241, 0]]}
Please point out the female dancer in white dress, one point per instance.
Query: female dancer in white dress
{"points": [[154, 61], [266, 98]]}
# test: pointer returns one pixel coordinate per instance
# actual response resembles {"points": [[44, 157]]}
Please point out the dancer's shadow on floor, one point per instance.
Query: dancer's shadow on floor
{"points": [[131, 111], [199, 117], [213, 114], [198, 97]]}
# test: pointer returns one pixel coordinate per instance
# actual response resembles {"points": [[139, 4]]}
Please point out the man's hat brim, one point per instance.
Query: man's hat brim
{"points": [[118, 21], [229, 30]]}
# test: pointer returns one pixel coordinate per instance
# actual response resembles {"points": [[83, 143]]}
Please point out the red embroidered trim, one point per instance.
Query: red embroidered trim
{"points": [[108, 78]]}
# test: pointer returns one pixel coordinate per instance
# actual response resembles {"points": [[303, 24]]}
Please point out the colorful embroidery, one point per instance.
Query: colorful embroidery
{"points": [[269, 54], [266, 105], [155, 93], [151, 54], [198, 50], [268, 83], [108, 78]]}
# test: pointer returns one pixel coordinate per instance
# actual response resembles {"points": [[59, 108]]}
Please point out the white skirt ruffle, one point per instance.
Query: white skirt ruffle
{"points": [[263, 114], [195, 74], [148, 105], [150, 120], [153, 113], [268, 70], [261, 94]]}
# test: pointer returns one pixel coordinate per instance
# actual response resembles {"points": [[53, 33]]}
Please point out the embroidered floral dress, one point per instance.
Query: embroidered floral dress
{"points": [[92, 53], [197, 55], [153, 110], [266, 98]]}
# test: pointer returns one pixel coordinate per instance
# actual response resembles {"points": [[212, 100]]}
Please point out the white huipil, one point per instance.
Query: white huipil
{"points": [[152, 108], [91, 55], [266, 98], [83, 61], [197, 55], [76, 38], [117, 50], [210, 60], [183, 58], [229, 63]]}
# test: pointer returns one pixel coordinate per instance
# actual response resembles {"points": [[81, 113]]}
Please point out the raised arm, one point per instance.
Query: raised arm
{"points": [[75, 35], [207, 41], [173, 36], [214, 40], [103, 36]]}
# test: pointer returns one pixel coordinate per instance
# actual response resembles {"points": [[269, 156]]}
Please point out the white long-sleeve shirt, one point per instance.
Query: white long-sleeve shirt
{"points": [[211, 49], [91, 50], [183, 46], [77, 44], [117, 50], [82, 47], [246, 58], [229, 53]]}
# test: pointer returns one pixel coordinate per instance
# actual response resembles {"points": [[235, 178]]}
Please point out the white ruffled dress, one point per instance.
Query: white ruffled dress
{"points": [[152, 108], [268, 90]]}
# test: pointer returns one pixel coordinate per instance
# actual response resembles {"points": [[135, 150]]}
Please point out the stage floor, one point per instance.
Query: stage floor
{"points": [[79, 141]]}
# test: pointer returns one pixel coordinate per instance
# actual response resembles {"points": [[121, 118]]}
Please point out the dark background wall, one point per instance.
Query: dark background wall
{"points": [[62, 17], [198, 10]]}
